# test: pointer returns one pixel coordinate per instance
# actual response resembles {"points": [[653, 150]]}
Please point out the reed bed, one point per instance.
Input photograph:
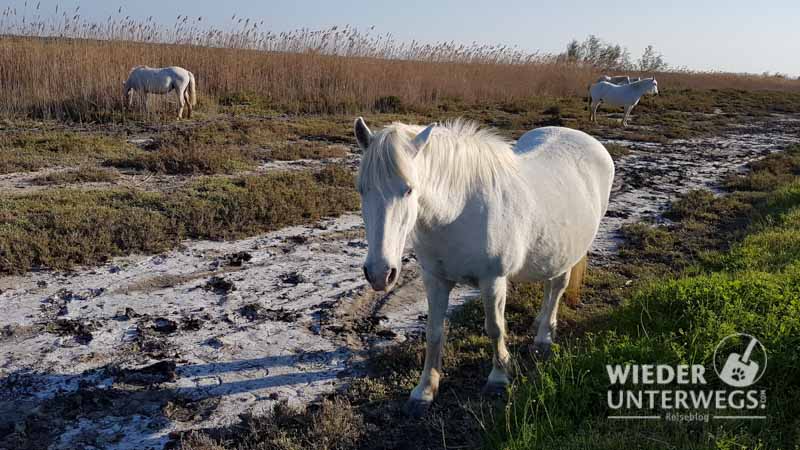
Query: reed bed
{"points": [[66, 67]]}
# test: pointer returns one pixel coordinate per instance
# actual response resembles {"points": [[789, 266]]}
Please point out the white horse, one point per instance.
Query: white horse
{"points": [[482, 213], [626, 96], [149, 80]]}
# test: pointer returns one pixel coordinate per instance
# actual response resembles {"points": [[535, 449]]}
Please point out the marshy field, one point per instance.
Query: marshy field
{"points": [[197, 284]]}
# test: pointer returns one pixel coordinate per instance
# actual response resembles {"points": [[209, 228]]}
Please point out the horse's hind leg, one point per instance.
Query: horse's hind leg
{"points": [[493, 292], [595, 105], [188, 103], [181, 102], [438, 291], [546, 320]]}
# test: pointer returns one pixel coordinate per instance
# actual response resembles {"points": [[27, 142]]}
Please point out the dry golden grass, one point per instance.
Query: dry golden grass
{"points": [[84, 78], [81, 79]]}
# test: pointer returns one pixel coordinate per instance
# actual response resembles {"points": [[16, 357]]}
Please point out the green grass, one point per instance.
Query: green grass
{"points": [[32, 150], [332, 425], [292, 151], [190, 159], [617, 151], [234, 144], [62, 227], [84, 174], [225, 145], [750, 283]]}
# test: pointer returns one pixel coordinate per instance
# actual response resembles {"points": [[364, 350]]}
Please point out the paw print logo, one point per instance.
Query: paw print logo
{"points": [[744, 358]]}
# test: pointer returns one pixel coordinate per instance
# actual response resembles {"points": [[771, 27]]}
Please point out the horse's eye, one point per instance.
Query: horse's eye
{"points": [[408, 192]]}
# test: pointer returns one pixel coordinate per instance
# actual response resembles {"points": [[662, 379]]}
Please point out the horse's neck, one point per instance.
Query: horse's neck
{"points": [[640, 87]]}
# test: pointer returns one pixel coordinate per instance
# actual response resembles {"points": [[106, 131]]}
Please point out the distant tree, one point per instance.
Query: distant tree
{"points": [[595, 52], [573, 51], [652, 61]]}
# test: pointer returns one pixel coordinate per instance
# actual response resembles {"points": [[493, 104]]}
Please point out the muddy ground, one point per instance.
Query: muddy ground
{"points": [[123, 355]]}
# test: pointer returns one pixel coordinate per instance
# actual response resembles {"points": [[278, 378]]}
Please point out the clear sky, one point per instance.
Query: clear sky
{"points": [[733, 35]]}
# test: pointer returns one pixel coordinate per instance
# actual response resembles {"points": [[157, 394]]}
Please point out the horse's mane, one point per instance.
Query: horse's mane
{"points": [[459, 157]]}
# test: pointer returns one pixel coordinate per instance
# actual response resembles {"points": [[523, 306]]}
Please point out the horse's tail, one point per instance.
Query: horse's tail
{"points": [[576, 275], [192, 90]]}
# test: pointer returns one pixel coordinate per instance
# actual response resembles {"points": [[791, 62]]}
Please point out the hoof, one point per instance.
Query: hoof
{"points": [[494, 390], [416, 408], [541, 351]]}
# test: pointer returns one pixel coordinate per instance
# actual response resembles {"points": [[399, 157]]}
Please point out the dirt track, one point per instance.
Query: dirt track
{"points": [[119, 356]]}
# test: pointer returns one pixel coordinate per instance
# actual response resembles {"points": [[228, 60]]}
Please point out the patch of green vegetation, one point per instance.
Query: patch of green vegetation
{"points": [[768, 173], [293, 151], [244, 100], [229, 146], [29, 151], [63, 227], [332, 425], [190, 159], [389, 104], [617, 151], [84, 174]]}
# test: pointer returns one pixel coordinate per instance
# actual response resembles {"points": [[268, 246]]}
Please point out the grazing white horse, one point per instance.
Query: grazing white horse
{"points": [[626, 96], [150, 80], [481, 213]]}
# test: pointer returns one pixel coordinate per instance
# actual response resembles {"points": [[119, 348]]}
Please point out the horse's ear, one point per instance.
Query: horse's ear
{"points": [[422, 138], [363, 134]]}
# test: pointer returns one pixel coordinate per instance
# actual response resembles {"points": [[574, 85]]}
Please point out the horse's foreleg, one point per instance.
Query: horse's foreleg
{"points": [[493, 292], [438, 291], [546, 320], [594, 111], [628, 110]]}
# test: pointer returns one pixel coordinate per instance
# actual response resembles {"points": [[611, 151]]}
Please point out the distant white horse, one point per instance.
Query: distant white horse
{"points": [[620, 80], [482, 213], [149, 80], [626, 96]]}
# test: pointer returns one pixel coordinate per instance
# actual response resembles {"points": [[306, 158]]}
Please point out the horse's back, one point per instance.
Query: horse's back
{"points": [[171, 71], [174, 72], [178, 70], [561, 142], [572, 156]]}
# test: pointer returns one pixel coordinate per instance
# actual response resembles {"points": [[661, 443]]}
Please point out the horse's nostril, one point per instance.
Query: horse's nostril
{"points": [[392, 276], [366, 274]]}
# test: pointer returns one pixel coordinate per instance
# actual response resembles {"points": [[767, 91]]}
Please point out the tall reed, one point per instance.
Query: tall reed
{"points": [[63, 66]]}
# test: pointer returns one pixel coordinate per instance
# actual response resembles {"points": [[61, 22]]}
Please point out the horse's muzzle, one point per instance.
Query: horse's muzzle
{"points": [[383, 280]]}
